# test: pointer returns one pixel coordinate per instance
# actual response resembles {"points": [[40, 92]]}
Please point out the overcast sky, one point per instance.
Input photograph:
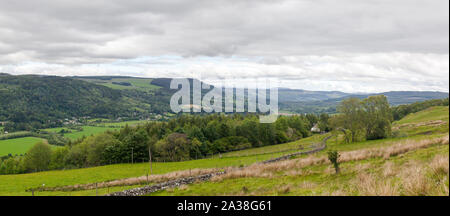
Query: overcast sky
{"points": [[345, 45]]}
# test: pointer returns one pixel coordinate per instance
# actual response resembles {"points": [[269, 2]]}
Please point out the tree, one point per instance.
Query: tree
{"points": [[333, 156], [352, 113], [38, 157], [96, 146], [174, 148], [370, 118], [195, 149], [58, 156], [324, 122], [12, 165], [377, 117], [137, 144]]}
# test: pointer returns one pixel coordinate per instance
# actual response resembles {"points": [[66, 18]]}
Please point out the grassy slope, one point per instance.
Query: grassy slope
{"points": [[91, 130], [374, 176], [136, 83], [316, 180], [430, 114], [433, 120], [122, 124], [87, 131], [18, 183], [17, 146]]}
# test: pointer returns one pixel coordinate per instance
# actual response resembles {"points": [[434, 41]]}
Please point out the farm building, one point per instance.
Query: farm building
{"points": [[315, 128]]}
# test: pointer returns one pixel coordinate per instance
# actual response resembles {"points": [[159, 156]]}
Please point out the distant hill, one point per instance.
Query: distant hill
{"points": [[32, 98], [395, 98], [34, 101], [298, 95], [43, 100]]}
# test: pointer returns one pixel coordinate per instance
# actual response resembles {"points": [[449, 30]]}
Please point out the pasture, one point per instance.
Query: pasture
{"points": [[360, 175], [141, 84], [412, 165], [17, 146], [17, 184], [87, 131]]}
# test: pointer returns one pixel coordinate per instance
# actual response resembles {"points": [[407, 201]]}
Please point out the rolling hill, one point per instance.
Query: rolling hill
{"points": [[33, 101]]}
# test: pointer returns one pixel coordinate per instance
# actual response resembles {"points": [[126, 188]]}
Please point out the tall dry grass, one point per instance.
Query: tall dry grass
{"points": [[415, 178], [268, 170], [142, 180], [367, 184]]}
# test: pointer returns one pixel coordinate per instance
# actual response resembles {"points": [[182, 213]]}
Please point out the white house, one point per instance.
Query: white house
{"points": [[315, 128]]}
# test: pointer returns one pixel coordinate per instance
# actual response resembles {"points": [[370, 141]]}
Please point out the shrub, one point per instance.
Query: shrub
{"points": [[333, 156]]}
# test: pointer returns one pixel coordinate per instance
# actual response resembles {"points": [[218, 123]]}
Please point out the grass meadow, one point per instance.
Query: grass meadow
{"points": [[17, 184], [414, 164], [17, 146]]}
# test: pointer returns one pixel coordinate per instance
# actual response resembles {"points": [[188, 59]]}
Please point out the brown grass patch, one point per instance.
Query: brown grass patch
{"points": [[269, 170], [428, 123], [368, 185], [142, 180]]}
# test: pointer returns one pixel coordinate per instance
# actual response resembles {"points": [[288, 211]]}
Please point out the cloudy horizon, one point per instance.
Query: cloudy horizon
{"points": [[350, 46]]}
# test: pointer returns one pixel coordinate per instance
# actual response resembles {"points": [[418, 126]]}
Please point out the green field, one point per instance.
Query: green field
{"points": [[422, 171], [430, 114], [141, 84], [91, 130], [356, 178], [15, 135], [312, 180], [427, 122], [122, 124], [18, 183], [87, 131], [17, 146]]}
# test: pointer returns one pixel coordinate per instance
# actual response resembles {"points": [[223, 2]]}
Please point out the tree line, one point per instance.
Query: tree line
{"points": [[401, 111], [183, 138]]}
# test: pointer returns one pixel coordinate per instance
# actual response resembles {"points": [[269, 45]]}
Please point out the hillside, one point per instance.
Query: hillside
{"points": [[329, 105], [32, 98], [32, 101], [415, 165], [413, 162]]}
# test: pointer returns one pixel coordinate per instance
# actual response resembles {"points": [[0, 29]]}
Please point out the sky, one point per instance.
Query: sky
{"points": [[329, 45]]}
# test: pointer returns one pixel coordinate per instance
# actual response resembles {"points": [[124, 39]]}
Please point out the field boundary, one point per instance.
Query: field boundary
{"points": [[189, 180], [322, 146]]}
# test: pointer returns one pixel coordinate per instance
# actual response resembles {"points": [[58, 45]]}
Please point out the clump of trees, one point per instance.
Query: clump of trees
{"points": [[184, 138], [368, 119]]}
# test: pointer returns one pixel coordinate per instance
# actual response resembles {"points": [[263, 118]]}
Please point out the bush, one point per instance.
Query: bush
{"points": [[38, 157], [333, 156]]}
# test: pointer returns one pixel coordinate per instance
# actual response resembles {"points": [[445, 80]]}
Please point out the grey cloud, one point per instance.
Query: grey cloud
{"points": [[98, 30], [348, 45]]}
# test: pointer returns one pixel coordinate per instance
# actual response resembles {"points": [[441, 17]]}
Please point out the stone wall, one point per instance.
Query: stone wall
{"points": [[169, 184], [189, 180]]}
